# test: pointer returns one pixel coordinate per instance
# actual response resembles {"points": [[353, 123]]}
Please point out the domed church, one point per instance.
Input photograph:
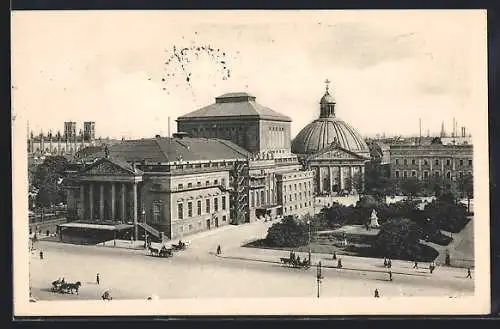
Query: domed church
{"points": [[334, 150]]}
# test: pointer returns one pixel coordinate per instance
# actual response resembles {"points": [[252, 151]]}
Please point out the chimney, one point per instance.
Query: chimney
{"points": [[168, 132]]}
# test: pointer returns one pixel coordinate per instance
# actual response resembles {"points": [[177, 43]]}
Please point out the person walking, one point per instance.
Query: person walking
{"points": [[376, 295], [469, 275], [219, 250], [415, 265], [334, 255], [339, 263], [97, 279], [431, 267], [41, 255], [390, 275], [385, 262]]}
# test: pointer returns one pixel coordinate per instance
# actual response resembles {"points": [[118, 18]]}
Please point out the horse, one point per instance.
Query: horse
{"points": [[286, 261], [73, 286]]}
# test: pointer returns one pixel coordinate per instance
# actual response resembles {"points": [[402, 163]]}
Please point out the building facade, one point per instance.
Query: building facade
{"points": [[334, 150], [68, 143], [237, 117], [169, 187], [434, 160], [295, 191]]}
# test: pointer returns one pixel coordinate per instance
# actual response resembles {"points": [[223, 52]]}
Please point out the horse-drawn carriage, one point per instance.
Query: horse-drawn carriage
{"points": [[180, 246], [62, 287], [295, 262], [159, 250]]}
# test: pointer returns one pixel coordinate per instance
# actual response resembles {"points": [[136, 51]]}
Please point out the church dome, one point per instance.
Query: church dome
{"points": [[324, 131], [328, 129]]}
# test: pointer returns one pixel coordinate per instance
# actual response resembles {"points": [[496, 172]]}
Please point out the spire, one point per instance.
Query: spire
{"points": [[327, 82]]}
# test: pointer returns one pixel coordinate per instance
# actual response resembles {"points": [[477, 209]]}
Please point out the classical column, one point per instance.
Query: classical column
{"points": [[91, 201], [362, 178], [330, 171], [321, 188], [351, 169], [113, 201], [101, 202], [341, 171], [136, 229], [123, 214], [82, 203]]}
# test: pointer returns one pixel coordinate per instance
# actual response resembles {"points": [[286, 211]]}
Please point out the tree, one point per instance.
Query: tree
{"points": [[47, 180], [288, 233], [411, 187], [377, 181], [399, 238]]}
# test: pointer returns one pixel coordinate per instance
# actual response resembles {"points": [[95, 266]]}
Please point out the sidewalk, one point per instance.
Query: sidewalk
{"points": [[348, 262]]}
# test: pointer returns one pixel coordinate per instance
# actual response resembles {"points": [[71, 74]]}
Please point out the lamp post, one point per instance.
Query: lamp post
{"points": [[309, 235], [145, 232], [319, 275]]}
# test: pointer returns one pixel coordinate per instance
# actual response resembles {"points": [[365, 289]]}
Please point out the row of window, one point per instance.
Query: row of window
{"points": [[298, 197], [296, 207], [198, 184], [276, 128], [305, 186], [208, 209], [203, 165], [436, 162], [413, 173]]}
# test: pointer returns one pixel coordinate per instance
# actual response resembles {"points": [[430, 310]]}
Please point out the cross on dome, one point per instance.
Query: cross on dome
{"points": [[327, 82]]}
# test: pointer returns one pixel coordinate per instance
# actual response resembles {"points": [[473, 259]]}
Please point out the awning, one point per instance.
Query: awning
{"points": [[270, 207], [117, 227]]}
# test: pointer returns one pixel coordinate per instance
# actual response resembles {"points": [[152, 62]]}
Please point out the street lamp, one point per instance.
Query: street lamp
{"points": [[145, 231], [309, 234], [319, 275]]}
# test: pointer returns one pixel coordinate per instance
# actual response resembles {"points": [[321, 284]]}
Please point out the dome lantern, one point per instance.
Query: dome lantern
{"points": [[327, 103]]}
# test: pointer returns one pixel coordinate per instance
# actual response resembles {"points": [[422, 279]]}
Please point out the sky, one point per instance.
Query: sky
{"points": [[387, 68]]}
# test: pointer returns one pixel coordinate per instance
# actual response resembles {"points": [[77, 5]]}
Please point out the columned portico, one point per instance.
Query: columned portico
{"points": [[106, 176]]}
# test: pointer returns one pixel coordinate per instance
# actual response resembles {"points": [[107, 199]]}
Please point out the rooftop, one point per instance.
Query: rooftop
{"points": [[238, 104]]}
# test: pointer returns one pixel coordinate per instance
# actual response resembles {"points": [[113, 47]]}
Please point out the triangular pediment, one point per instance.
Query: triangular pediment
{"points": [[336, 152], [107, 167]]}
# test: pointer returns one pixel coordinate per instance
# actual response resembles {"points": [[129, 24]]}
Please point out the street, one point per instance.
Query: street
{"points": [[198, 272]]}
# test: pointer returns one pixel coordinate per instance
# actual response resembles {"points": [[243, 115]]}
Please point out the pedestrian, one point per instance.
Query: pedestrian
{"points": [[41, 255], [97, 279], [218, 250], [339, 263], [47, 232], [376, 294], [334, 255], [389, 263], [385, 262], [390, 275], [415, 265], [469, 275], [431, 267]]}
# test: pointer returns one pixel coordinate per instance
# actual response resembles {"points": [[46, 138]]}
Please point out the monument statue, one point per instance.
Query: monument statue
{"points": [[374, 220]]}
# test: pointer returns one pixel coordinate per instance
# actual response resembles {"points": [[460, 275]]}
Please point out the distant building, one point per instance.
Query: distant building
{"points": [[334, 150], [68, 143], [432, 160]]}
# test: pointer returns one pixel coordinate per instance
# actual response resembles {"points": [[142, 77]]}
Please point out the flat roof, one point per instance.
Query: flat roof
{"points": [[117, 227]]}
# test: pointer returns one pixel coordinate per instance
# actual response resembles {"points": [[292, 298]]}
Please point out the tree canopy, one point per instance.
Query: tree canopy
{"points": [[288, 233], [47, 179], [399, 238]]}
